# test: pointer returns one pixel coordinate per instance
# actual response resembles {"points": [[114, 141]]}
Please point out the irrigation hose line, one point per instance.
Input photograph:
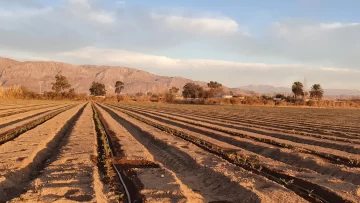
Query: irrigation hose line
{"points": [[266, 174], [117, 171]]}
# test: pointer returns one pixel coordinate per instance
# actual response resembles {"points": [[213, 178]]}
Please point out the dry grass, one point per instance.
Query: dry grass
{"points": [[14, 92]]}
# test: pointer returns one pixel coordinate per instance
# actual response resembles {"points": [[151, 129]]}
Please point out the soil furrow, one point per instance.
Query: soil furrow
{"points": [[198, 169], [23, 111], [166, 187], [19, 121], [13, 133], [324, 193], [266, 125], [262, 120], [333, 155], [350, 147], [69, 172], [23, 159], [289, 157]]}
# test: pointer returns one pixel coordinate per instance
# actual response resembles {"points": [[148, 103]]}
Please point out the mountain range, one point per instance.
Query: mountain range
{"points": [[38, 76]]}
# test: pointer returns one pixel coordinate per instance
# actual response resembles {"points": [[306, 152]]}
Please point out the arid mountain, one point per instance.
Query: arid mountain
{"points": [[32, 74], [266, 89]]}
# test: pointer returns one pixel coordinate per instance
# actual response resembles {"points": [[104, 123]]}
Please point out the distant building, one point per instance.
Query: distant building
{"points": [[224, 96], [239, 97]]}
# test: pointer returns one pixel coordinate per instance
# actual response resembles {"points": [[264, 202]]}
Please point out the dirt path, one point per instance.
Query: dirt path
{"points": [[206, 174], [69, 175], [20, 158]]}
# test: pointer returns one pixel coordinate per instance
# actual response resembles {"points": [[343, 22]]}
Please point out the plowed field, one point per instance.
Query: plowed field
{"points": [[145, 152]]}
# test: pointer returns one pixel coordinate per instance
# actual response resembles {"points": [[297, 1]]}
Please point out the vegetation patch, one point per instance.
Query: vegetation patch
{"points": [[109, 165]]}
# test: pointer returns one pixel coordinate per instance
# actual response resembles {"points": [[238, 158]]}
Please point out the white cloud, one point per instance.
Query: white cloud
{"points": [[337, 25], [102, 17], [134, 59], [24, 13], [83, 9], [204, 25]]}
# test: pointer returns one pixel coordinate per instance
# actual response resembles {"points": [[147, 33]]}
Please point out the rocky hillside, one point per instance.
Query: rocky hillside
{"points": [[32, 74]]}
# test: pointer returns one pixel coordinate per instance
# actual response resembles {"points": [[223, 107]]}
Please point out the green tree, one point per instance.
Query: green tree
{"points": [[298, 89], [97, 89], [215, 88], [280, 96], [118, 87], [191, 90], [316, 91], [60, 84], [71, 93], [214, 85]]}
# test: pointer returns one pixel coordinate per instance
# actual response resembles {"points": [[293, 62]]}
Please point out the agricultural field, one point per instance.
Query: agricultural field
{"points": [[52, 151]]}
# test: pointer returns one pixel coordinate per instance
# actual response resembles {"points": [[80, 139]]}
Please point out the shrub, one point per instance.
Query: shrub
{"points": [[312, 103]]}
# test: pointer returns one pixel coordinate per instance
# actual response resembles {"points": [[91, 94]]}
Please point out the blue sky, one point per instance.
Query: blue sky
{"points": [[235, 42]]}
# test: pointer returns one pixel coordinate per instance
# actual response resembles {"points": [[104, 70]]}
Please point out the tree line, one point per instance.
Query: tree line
{"points": [[61, 86], [316, 91]]}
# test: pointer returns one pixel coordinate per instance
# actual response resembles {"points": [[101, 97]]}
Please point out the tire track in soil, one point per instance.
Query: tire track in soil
{"points": [[13, 181], [202, 173]]}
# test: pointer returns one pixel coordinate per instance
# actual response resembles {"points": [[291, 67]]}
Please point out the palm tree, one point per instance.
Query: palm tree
{"points": [[316, 91], [298, 89], [118, 87]]}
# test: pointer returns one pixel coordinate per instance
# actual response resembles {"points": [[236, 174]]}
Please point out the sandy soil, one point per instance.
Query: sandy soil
{"points": [[294, 143], [69, 176], [322, 139], [14, 121], [27, 107], [20, 158], [7, 105], [290, 157], [325, 121], [164, 189], [208, 175], [347, 190]]}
